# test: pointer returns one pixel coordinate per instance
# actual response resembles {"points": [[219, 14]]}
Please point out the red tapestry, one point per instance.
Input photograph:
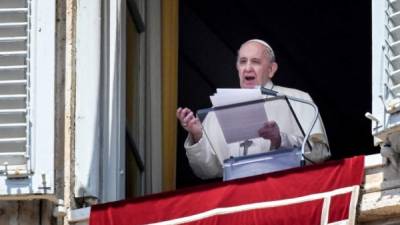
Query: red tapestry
{"points": [[253, 200]]}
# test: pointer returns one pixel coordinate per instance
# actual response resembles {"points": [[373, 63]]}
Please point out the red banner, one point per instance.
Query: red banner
{"points": [[290, 197]]}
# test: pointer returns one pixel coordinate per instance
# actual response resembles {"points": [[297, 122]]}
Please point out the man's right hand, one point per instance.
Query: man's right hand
{"points": [[271, 131], [190, 123]]}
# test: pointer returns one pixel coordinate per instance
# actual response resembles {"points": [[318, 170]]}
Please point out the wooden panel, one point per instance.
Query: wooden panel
{"points": [[26, 212], [169, 92]]}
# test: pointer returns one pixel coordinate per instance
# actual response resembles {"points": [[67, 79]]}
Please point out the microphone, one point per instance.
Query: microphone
{"points": [[270, 92], [267, 91]]}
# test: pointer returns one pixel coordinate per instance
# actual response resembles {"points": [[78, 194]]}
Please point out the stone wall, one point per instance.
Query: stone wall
{"points": [[380, 196]]}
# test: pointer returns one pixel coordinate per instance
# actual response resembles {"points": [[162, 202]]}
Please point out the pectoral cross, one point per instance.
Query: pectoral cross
{"points": [[246, 144]]}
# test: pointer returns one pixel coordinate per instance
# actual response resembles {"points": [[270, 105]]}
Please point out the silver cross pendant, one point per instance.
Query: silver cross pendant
{"points": [[246, 144]]}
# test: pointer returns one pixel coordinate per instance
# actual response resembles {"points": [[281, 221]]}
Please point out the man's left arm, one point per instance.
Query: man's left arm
{"points": [[319, 151], [281, 139]]}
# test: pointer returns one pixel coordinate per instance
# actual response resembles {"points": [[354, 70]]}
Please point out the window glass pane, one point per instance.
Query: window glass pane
{"points": [[133, 178]]}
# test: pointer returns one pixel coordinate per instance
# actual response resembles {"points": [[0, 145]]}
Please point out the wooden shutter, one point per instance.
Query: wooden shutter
{"points": [[385, 68], [27, 65], [14, 82], [392, 54]]}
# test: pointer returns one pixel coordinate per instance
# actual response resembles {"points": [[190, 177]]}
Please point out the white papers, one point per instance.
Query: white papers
{"points": [[239, 123], [228, 96]]}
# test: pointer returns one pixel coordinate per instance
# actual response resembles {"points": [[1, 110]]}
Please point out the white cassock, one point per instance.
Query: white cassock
{"points": [[206, 156]]}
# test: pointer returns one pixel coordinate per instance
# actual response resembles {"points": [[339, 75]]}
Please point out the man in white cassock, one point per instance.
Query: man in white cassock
{"points": [[207, 149]]}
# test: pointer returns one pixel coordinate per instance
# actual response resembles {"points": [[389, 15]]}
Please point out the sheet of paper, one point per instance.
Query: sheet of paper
{"points": [[242, 122], [230, 96]]}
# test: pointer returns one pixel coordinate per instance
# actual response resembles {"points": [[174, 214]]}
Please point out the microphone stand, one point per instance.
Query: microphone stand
{"points": [[275, 93]]}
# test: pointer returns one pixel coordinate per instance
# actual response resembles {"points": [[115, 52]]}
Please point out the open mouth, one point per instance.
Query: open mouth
{"points": [[249, 78]]}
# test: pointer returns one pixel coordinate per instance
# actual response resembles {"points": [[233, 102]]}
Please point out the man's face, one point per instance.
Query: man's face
{"points": [[253, 65]]}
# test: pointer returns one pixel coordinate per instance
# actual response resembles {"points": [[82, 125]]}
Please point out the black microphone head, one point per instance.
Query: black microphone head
{"points": [[267, 91]]}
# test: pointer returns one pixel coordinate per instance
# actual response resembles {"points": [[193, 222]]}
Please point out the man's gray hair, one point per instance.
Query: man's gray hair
{"points": [[268, 48]]}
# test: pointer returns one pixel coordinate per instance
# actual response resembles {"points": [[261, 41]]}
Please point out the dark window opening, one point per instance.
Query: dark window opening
{"points": [[323, 49]]}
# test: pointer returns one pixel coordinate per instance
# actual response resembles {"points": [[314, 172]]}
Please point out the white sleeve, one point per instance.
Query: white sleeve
{"points": [[202, 158], [290, 141], [320, 151]]}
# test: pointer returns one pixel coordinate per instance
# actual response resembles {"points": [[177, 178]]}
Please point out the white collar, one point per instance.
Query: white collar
{"points": [[269, 85]]}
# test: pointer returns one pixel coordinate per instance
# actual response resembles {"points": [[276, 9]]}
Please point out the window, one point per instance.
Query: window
{"points": [[27, 30], [385, 66], [134, 96]]}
